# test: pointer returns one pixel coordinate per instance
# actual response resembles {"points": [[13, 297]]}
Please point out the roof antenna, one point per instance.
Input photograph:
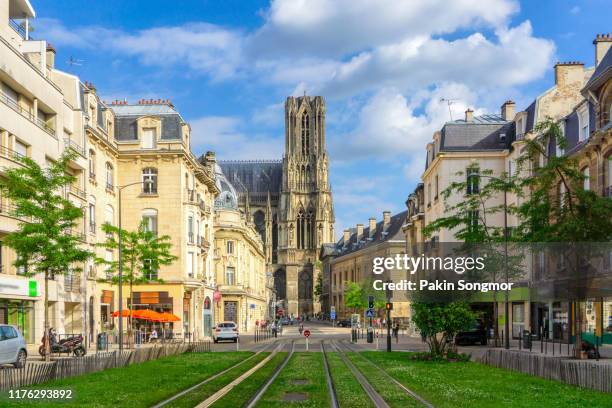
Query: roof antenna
{"points": [[74, 62], [449, 102]]}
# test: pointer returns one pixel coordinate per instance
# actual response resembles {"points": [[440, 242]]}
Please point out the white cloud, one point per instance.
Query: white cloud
{"points": [[224, 136]]}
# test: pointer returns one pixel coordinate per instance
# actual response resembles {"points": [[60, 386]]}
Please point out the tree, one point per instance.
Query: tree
{"points": [[318, 289], [143, 253], [353, 296], [440, 322], [356, 296], [46, 242]]}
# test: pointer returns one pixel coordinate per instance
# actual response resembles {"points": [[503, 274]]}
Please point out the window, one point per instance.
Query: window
{"points": [[473, 220], [21, 148], [428, 193], [473, 186], [305, 134], [437, 187], [148, 138], [22, 269], [583, 120], [190, 229], [149, 180], [230, 247], [586, 173], [609, 174], [230, 275], [149, 217], [109, 176], [92, 164], [560, 151], [150, 272], [109, 215], [92, 218], [190, 264]]}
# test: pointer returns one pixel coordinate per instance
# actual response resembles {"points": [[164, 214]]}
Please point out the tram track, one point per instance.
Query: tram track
{"points": [[329, 378]]}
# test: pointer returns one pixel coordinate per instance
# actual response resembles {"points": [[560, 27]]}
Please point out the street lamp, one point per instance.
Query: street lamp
{"points": [[506, 292], [388, 307], [120, 188]]}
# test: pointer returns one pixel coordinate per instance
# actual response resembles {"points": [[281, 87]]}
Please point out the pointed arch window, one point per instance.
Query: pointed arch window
{"points": [[301, 219], [305, 134]]}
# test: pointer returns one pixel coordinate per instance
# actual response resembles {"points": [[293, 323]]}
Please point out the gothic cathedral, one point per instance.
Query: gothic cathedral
{"points": [[290, 203]]}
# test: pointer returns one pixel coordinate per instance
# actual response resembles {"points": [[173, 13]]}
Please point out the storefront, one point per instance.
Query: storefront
{"points": [[17, 299]]}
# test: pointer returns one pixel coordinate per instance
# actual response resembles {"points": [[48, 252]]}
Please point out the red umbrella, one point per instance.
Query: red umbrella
{"points": [[124, 313], [169, 317]]}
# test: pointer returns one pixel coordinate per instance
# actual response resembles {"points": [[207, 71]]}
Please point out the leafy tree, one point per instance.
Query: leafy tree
{"points": [[353, 296], [440, 322], [318, 289], [143, 253], [46, 242], [356, 296]]}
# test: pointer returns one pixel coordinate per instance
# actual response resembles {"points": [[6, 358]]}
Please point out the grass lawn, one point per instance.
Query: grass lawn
{"points": [[391, 392], [476, 385], [348, 390], [302, 366], [139, 385], [200, 394], [241, 394]]}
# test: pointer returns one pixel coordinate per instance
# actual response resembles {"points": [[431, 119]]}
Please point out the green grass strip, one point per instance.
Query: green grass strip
{"points": [[348, 390], [302, 366], [240, 394], [201, 393], [391, 392], [473, 384], [139, 385]]}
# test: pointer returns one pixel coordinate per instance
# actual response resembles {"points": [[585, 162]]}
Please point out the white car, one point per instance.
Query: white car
{"points": [[225, 331], [12, 346]]}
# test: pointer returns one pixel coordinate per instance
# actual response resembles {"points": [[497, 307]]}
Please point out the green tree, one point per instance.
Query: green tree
{"points": [[353, 296], [46, 242], [143, 253], [440, 322], [356, 296]]}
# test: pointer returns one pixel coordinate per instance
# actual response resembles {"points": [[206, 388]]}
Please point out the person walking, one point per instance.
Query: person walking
{"points": [[396, 328], [274, 329]]}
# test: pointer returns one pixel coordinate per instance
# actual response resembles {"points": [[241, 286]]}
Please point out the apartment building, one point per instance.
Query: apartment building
{"points": [[240, 262], [44, 111]]}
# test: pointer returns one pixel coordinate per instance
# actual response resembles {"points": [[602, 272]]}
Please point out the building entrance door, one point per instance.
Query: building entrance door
{"points": [[230, 312]]}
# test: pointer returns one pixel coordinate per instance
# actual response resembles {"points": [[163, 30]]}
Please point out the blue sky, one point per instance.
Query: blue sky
{"points": [[383, 66]]}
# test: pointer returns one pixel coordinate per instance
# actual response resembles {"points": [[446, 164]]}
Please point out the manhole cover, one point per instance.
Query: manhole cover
{"points": [[300, 382], [295, 396]]}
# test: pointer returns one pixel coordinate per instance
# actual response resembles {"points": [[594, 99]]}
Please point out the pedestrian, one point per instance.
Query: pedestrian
{"points": [[274, 329], [396, 332]]}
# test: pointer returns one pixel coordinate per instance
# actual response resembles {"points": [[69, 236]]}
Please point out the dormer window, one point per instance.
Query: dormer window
{"points": [[583, 123], [149, 138]]}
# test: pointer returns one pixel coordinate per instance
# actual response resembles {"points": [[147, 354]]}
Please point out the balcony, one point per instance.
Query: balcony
{"points": [[202, 206], [19, 29], [191, 196], [202, 243], [10, 154], [72, 283], [76, 191], [11, 103], [82, 237], [110, 187], [71, 144]]}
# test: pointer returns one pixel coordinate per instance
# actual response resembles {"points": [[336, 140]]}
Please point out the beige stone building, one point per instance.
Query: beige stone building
{"points": [[351, 260], [290, 203], [239, 262]]}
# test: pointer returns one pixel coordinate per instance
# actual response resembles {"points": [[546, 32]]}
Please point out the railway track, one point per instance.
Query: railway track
{"points": [[330, 380], [255, 398], [365, 384], [408, 391], [209, 379]]}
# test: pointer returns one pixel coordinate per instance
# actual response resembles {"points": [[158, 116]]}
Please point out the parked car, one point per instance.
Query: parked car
{"points": [[12, 346], [225, 331], [343, 323], [476, 334]]}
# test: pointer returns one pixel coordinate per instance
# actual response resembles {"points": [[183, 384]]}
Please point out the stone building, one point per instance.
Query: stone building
{"points": [[290, 203], [239, 262]]}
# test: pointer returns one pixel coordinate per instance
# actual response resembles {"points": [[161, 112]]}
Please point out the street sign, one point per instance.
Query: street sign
{"points": [[370, 302], [369, 313], [306, 333], [332, 315]]}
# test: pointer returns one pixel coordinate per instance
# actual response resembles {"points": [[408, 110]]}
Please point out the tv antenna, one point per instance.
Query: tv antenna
{"points": [[74, 62], [449, 102]]}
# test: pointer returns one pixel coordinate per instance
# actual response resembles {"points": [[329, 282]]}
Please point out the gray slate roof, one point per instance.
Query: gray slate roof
{"points": [[126, 117], [392, 232], [254, 176], [483, 133], [602, 72]]}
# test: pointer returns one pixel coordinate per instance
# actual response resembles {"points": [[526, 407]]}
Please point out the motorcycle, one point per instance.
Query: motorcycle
{"points": [[68, 345]]}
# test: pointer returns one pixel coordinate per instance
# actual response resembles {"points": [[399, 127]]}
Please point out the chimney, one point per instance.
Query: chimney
{"points": [[602, 44], [359, 231], [386, 218], [570, 72], [50, 56], [372, 225], [469, 115], [347, 236], [507, 110]]}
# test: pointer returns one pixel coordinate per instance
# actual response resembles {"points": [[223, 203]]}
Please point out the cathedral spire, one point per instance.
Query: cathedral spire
{"points": [[247, 207]]}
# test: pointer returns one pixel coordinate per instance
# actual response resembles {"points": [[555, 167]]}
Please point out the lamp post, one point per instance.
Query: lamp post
{"points": [[120, 188], [388, 310], [506, 292]]}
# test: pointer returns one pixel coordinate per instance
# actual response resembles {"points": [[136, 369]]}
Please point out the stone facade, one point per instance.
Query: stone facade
{"points": [[290, 203]]}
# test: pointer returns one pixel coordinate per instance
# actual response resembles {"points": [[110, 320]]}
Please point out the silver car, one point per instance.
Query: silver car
{"points": [[12, 346], [226, 331]]}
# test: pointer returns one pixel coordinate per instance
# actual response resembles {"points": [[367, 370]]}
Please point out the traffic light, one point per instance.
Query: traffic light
{"points": [[389, 306], [370, 302]]}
